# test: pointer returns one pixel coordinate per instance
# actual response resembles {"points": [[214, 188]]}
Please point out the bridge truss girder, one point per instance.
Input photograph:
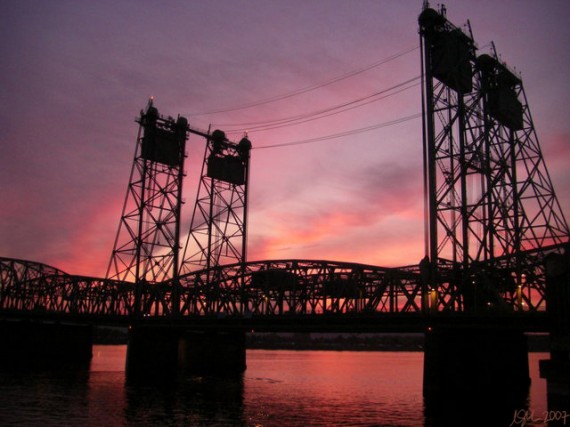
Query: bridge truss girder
{"points": [[274, 292], [276, 288], [299, 287], [38, 289]]}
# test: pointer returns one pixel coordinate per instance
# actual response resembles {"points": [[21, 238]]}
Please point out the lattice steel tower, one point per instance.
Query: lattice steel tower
{"points": [[491, 210], [147, 245], [218, 229]]}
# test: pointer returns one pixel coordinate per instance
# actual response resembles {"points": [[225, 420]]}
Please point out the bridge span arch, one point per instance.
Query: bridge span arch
{"points": [[275, 287], [290, 291], [299, 287]]}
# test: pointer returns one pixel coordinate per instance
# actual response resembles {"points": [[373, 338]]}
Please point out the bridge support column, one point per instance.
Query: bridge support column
{"points": [[475, 368], [213, 352], [162, 352], [37, 344], [556, 370], [152, 352]]}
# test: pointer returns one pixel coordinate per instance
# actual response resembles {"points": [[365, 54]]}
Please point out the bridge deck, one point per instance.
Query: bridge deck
{"points": [[379, 322]]}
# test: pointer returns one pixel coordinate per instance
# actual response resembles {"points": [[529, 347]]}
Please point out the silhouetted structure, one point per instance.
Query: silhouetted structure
{"points": [[218, 229], [492, 213], [147, 246], [491, 219]]}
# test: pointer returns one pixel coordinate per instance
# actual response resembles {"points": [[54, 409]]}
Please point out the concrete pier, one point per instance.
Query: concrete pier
{"points": [[556, 370], [162, 352], [213, 352], [475, 366], [34, 343], [152, 353]]}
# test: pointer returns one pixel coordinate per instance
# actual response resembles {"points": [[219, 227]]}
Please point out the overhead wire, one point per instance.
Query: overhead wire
{"points": [[342, 134], [307, 88], [326, 112]]}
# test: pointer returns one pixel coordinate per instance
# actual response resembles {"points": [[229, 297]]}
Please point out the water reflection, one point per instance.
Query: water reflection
{"points": [[43, 397], [192, 401], [293, 388]]}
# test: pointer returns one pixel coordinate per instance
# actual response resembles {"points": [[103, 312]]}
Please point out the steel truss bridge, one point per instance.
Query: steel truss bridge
{"points": [[285, 288], [485, 255], [273, 295]]}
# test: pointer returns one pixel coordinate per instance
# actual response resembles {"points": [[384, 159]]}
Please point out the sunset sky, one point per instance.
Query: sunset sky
{"points": [[75, 74]]}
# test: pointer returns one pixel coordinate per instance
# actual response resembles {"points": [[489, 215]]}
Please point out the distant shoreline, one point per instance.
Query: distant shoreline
{"points": [[327, 342]]}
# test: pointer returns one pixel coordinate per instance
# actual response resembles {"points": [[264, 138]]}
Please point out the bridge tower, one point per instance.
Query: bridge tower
{"points": [[147, 245], [218, 228], [491, 216], [491, 210]]}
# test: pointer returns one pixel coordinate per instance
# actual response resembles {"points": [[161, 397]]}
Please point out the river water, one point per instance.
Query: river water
{"points": [[279, 388]]}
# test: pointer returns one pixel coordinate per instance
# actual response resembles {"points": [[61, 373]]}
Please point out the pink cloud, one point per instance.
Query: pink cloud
{"points": [[368, 224]]}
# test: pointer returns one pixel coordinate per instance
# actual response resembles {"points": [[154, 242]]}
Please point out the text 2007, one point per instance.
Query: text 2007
{"points": [[522, 417]]}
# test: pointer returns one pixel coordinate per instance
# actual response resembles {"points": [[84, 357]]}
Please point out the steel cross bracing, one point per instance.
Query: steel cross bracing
{"points": [[493, 217], [148, 240], [285, 295], [277, 288], [275, 295], [493, 213], [218, 228], [300, 287], [38, 289]]}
